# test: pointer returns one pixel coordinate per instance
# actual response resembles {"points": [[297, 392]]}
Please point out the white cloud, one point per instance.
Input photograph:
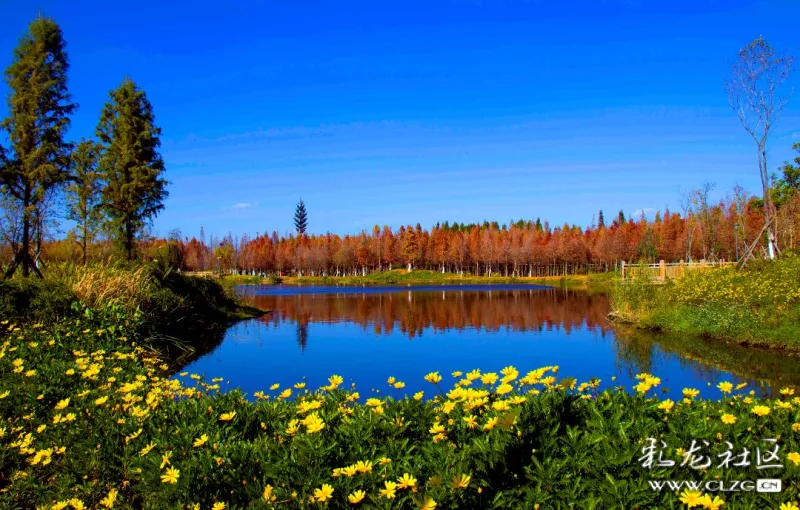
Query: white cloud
{"points": [[646, 212], [243, 205]]}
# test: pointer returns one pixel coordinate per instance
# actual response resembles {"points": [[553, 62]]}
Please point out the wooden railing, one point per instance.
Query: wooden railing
{"points": [[666, 271]]}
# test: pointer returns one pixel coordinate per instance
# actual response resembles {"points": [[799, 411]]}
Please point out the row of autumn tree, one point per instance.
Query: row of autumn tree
{"points": [[702, 230], [113, 184]]}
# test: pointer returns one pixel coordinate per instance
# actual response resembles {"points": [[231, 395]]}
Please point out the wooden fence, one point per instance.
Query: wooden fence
{"points": [[665, 271]]}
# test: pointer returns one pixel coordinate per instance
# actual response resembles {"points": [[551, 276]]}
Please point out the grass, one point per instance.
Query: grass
{"points": [[160, 303], [425, 277], [89, 419], [759, 305]]}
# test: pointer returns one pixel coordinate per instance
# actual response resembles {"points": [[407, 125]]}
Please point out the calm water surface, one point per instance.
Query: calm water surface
{"points": [[369, 334]]}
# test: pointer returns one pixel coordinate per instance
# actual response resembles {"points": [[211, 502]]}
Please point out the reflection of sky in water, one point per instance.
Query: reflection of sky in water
{"points": [[338, 336]]}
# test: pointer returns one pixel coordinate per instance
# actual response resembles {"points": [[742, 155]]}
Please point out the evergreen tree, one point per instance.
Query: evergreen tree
{"points": [[84, 193], [621, 218], [130, 163], [300, 218], [39, 106], [601, 222]]}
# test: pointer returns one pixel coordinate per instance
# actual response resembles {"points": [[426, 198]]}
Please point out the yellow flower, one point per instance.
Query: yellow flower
{"points": [[384, 460], [165, 459], [437, 428], [110, 499], [286, 393], [725, 387], [30, 373], [690, 392], [268, 495], [356, 497], [171, 476], [489, 378], [300, 385], [146, 449], [275, 386], [490, 423], [100, 401], [335, 380], [364, 466], [789, 506], [349, 470], [428, 504], [219, 505], [128, 439], [200, 441], [4, 394], [62, 404], [458, 373], [471, 421], [324, 493], [787, 391], [796, 427], [460, 482], [761, 410], [666, 405], [434, 378], [503, 389], [313, 423], [728, 419], [391, 380], [418, 395], [691, 498], [406, 481], [712, 504], [794, 457], [389, 490], [227, 416], [399, 385]]}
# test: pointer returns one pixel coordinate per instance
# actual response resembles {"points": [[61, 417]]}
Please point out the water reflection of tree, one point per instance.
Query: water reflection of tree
{"points": [[413, 312], [763, 369], [302, 335]]}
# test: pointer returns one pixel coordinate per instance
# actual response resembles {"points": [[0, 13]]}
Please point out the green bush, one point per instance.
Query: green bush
{"points": [[34, 300]]}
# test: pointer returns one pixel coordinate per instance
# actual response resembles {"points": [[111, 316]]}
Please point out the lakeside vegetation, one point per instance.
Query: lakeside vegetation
{"points": [[759, 305], [164, 307], [424, 277], [90, 419]]}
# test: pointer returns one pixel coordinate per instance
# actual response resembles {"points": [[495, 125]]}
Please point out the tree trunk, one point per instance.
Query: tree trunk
{"points": [[26, 232]]}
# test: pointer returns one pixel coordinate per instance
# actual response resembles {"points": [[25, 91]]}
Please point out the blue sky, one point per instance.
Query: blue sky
{"points": [[404, 112]]}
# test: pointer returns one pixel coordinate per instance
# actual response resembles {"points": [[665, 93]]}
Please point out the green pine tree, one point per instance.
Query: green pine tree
{"points": [[39, 105], [84, 194], [131, 166], [300, 218]]}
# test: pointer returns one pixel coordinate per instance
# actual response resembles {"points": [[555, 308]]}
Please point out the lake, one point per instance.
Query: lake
{"points": [[368, 334]]}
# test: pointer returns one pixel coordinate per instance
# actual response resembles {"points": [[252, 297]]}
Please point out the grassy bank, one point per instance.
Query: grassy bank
{"points": [[759, 305], [422, 277], [88, 419], [155, 301]]}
